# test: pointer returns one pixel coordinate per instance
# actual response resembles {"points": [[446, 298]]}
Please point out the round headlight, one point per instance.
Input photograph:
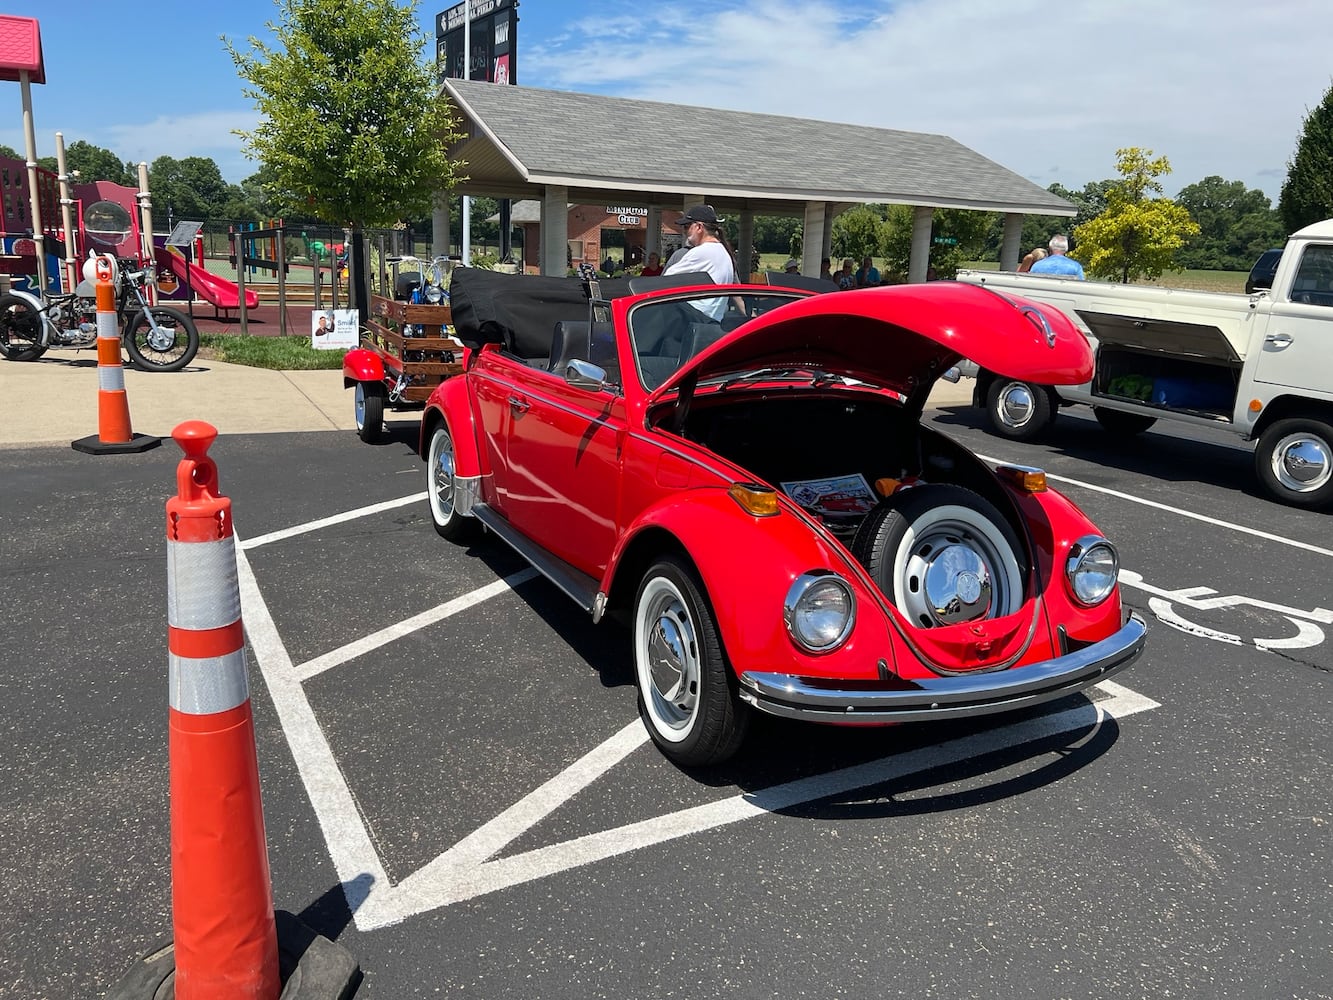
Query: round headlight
{"points": [[434, 293], [1092, 569], [819, 611]]}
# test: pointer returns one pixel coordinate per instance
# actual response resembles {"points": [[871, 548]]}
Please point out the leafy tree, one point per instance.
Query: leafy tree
{"points": [[970, 230], [774, 233], [352, 127], [857, 232], [1307, 193], [94, 163], [10, 152], [1136, 236], [191, 188], [1235, 224]]}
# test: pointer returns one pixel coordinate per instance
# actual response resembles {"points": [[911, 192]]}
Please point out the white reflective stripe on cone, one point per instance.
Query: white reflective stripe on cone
{"points": [[209, 685], [202, 588], [111, 378], [107, 328]]}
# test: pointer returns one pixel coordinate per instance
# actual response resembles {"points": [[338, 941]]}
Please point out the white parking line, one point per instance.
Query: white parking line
{"points": [[324, 522], [1266, 536], [407, 626]]}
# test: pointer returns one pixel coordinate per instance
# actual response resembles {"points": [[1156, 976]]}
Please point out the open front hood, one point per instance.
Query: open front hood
{"points": [[902, 337]]}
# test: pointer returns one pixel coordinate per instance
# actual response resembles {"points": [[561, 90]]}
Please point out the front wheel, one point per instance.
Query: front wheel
{"points": [[369, 412], [20, 330], [167, 344], [1018, 410], [686, 698], [1294, 462]]}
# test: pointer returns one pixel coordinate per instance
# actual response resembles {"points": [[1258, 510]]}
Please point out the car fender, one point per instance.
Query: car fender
{"points": [[748, 604], [361, 365], [451, 401]]}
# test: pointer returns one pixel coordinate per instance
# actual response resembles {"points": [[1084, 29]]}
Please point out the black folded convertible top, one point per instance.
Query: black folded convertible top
{"points": [[520, 311]]}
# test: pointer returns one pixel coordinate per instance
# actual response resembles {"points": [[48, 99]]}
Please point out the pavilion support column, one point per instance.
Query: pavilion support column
{"points": [[745, 248], [1010, 247], [439, 226], [652, 242], [920, 260], [555, 231], [814, 229], [826, 247]]}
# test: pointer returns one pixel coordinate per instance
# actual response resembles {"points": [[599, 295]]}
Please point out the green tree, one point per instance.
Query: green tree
{"points": [[191, 188], [10, 152], [1307, 193], [1235, 224], [969, 229], [95, 163], [351, 124], [858, 232], [774, 233], [1137, 235]]}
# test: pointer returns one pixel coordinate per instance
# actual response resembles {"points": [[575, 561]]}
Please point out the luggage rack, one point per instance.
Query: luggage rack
{"points": [[414, 344]]}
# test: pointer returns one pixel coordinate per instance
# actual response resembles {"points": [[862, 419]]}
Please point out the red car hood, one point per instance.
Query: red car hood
{"points": [[902, 337]]}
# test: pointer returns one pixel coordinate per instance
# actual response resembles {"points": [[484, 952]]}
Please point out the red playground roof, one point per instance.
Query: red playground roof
{"points": [[21, 48]]}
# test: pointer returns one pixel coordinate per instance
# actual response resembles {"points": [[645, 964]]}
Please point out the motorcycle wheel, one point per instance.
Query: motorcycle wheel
{"points": [[20, 330], [171, 349]]}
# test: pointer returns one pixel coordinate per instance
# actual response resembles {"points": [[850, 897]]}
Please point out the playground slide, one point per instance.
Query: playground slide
{"points": [[215, 290]]}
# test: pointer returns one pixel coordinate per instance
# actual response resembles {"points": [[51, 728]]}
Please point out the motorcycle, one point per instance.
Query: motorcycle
{"points": [[158, 338]]}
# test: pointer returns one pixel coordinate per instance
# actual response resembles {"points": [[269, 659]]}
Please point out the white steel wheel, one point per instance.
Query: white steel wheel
{"points": [[943, 555], [440, 487], [1018, 410], [1294, 461], [685, 691]]}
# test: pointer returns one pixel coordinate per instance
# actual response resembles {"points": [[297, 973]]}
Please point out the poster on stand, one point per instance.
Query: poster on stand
{"points": [[333, 329]]}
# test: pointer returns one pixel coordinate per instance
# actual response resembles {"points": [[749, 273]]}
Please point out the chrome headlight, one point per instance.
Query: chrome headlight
{"points": [[1092, 569], [820, 611], [434, 293]]}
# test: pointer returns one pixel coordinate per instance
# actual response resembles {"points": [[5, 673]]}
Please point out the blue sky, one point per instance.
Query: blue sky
{"points": [[1048, 89]]}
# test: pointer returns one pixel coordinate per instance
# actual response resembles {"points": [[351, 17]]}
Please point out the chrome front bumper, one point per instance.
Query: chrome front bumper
{"points": [[821, 700]]}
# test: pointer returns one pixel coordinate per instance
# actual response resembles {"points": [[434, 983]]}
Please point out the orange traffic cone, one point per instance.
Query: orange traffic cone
{"points": [[229, 943], [114, 435], [221, 897]]}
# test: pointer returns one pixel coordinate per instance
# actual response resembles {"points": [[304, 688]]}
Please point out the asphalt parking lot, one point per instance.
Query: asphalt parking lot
{"points": [[457, 787]]}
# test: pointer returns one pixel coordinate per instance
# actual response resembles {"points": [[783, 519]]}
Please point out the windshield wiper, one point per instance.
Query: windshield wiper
{"points": [[813, 377]]}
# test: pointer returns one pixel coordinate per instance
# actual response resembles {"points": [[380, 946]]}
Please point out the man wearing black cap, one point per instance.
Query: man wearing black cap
{"points": [[706, 250]]}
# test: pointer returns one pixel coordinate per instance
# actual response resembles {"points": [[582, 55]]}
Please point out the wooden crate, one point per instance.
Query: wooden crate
{"points": [[385, 337]]}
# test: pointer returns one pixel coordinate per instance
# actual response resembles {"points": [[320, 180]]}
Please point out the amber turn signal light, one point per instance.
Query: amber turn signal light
{"points": [[1025, 477], [1256, 405], [761, 501]]}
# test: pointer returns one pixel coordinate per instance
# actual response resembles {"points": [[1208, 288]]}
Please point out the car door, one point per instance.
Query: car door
{"points": [[1297, 349], [563, 457]]}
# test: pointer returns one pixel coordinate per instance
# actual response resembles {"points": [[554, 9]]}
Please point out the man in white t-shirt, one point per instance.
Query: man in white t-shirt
{"points": [[705, 251]]}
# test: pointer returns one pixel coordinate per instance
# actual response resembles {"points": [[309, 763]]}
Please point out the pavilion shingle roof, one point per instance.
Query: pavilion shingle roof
{"points": [[523, 138]]}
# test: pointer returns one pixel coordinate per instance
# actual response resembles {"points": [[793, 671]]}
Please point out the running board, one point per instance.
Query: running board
{"points": [[574, 582]]}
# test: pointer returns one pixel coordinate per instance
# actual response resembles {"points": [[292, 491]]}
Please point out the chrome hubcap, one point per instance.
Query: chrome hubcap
{"points": [[673, 664], [950, 576], [1016, 405], [1302, 463], [359, 405], [442, 478]]}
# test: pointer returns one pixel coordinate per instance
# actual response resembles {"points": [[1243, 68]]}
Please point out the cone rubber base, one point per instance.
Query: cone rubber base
{"points": [[312, 968], [94, 445]]}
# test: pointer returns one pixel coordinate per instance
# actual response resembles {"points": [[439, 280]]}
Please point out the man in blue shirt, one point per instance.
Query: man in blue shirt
{"points": [[1057, 263]]}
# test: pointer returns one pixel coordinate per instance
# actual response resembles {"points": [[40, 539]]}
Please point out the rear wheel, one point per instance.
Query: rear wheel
{"points": [[368, 406], [1294, 462], [1120, 423], [20, 329], [943, 555], [167, 344], [685, 688], [1018, 410], [440, 476]]}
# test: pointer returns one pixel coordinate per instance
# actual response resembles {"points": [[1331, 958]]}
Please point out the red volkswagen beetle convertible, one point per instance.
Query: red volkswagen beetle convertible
{"points": [[744, 472]]}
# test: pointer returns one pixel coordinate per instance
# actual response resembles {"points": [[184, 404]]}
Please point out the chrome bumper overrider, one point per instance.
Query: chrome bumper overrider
{"points": [[955, 697]]}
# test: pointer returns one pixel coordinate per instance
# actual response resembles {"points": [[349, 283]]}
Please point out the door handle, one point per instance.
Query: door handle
{"points": [[519, 405], [1278, 339]]}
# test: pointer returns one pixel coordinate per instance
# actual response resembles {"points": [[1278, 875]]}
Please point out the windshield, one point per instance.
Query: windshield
{"points": [[668, 332]]}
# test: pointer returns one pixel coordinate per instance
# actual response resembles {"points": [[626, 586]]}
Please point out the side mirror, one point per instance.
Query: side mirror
{"points": [[585, 375]]}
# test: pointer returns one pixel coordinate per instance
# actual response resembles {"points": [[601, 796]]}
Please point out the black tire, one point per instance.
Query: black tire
{"points": [[176, 349], [1120, 423], [368, 409], [687, 697], [449, 524], [943, 555], [20, 330], [1018, 410], [1294, 462]]}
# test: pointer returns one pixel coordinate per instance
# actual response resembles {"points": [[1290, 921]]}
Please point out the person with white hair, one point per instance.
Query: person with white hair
{"points": [[1057, 263]]}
